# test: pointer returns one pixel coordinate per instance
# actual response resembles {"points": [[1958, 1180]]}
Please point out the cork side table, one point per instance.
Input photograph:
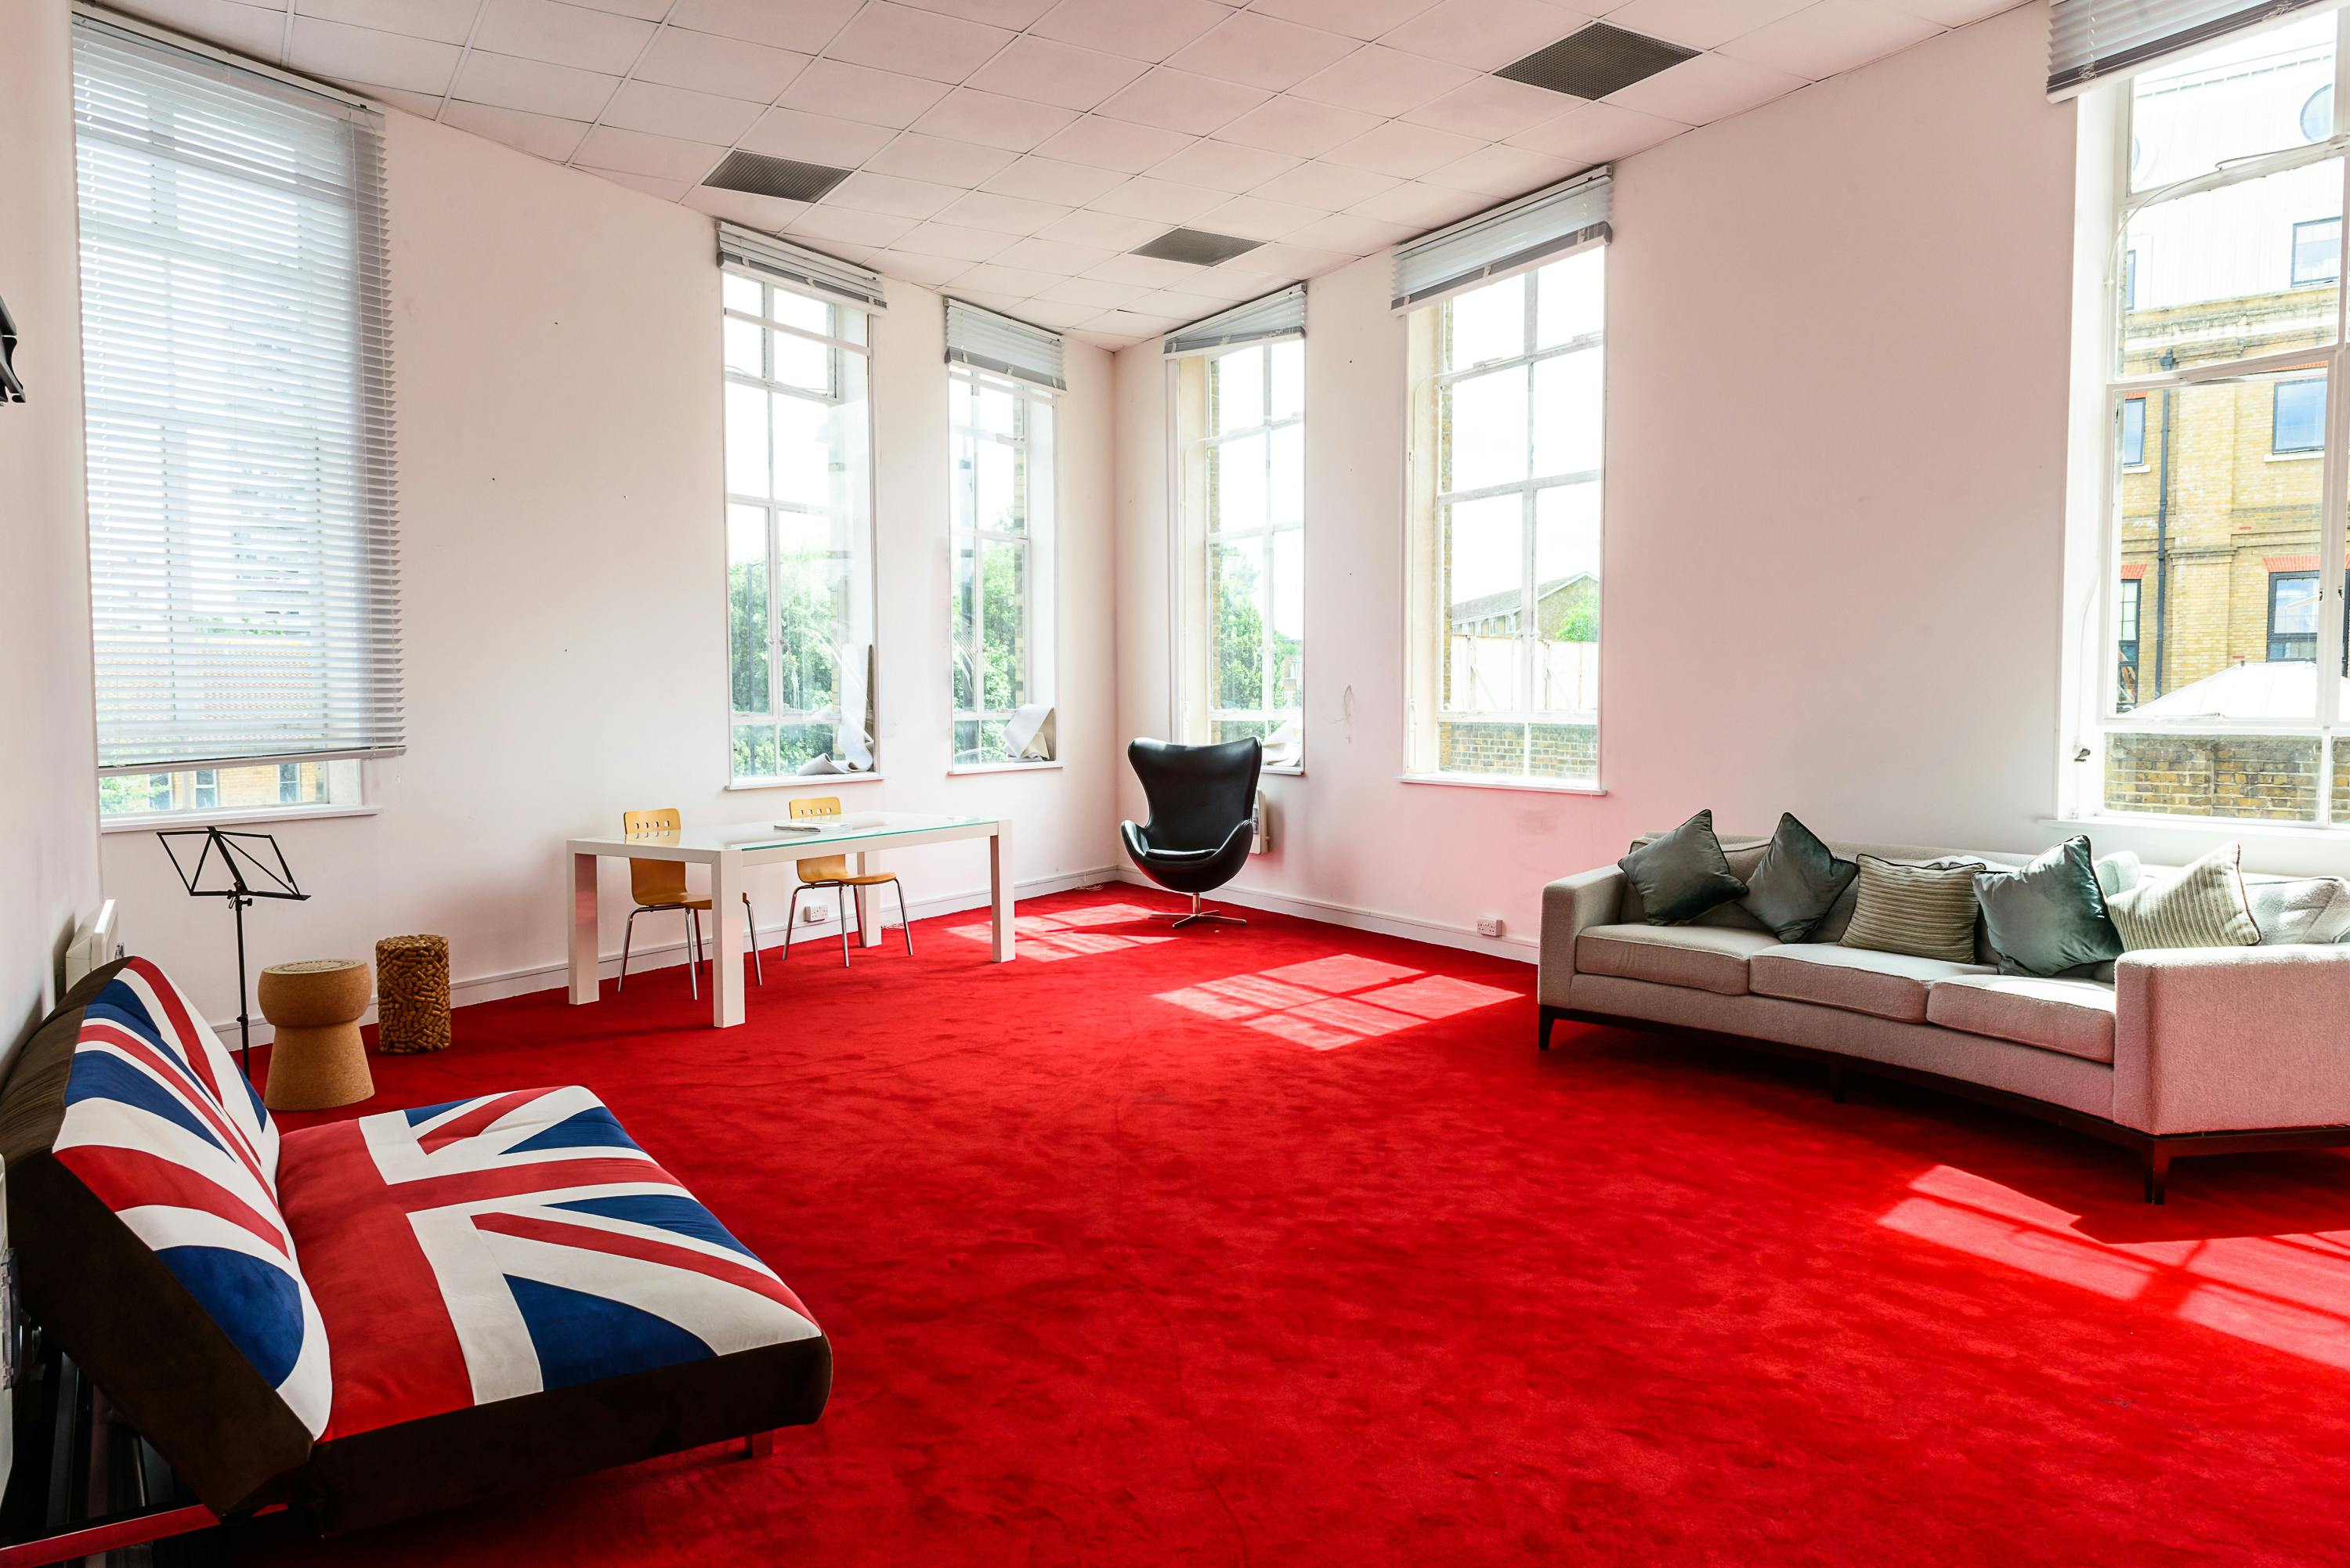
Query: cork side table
{"points": [[412, 994], [318, 1058]]}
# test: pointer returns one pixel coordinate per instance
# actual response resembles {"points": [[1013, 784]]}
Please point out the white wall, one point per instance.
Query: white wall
{"points": [[556, 380], [48, 791], [1838, 365]]}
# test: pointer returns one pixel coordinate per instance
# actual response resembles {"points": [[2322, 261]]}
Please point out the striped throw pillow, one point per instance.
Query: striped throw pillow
{"points": [[2202, 907], [1925, 911]]}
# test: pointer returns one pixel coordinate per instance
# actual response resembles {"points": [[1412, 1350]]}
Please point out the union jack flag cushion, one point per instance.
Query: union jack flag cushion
{"points": [[509, 1245]]}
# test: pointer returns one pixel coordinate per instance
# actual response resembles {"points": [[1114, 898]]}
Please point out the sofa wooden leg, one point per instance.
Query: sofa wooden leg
{"points": [[2157, 1172], [1550, 1015]]}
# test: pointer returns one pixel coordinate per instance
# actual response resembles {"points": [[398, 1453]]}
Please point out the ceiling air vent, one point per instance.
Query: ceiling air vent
{"points": [[1595, 61], [1197, 246], [757, 174]]}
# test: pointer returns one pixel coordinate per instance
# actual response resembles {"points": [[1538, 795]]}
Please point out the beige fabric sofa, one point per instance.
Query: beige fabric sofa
{"points": [[2185, 1052]]}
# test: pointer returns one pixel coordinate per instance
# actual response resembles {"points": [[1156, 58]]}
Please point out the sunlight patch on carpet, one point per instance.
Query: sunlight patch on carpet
{"points": [[1067, 933], [1327, 1002]]}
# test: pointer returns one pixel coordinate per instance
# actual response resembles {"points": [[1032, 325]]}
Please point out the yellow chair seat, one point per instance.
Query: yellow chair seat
{"points": [[869, 879]]}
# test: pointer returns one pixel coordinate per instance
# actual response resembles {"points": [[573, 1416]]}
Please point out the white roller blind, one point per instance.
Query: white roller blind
{"points": [[992, 342], [1280, 314], [2092, 38], [237, 378], [1502, 240], [804, 268]]}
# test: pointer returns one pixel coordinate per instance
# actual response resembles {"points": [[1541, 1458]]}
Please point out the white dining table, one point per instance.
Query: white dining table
{"points": [[729, 852]]}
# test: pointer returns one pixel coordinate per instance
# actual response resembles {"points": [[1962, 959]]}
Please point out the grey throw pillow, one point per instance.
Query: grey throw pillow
{"points": [[1796, 883], [2049, 918], [2117, 872], [2301, 911], [2202, 907], [1683, 874], [1925, 911]]}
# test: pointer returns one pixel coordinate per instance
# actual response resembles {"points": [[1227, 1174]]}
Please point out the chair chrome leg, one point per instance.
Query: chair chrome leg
{"points": [[693, 953], [791, 922], [905, 923], [751, 929], [840, 893], [628, 935], [1198, 916]]}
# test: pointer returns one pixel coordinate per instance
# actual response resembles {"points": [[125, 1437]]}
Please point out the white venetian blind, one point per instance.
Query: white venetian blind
{"points": [[1281, 314], [809, 271], [243, 585], [992, 342], [2092, 38], [1510, 238]]}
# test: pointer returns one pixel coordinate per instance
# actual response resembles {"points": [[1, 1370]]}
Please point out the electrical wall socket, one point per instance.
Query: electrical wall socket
{"points": [[810, 915], [1490, 927]]}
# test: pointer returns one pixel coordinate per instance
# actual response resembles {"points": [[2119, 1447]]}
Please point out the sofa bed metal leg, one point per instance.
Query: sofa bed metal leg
{"points": [[2157, 1172], [758, 1445]]}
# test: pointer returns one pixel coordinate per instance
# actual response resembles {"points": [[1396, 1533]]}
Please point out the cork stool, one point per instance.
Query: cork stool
{"points": [[412, 994], [318, 1058]]}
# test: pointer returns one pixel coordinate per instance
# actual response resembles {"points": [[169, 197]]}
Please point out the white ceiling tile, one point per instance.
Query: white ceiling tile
{"points": [[929, 270], [708, 63], [633, 153], [1421, 205], [1502, 172], [1597, 132], [933, 158], [918, 43], [444, 21], [1381, 82], [540, 135], [1005, 214], [1114, 144], [667, 190], [952, 240], [361, 54], [1326, 187], [561, 35], [1093, 294], [1103, 229], [1162, 201], [1489, 108], [1233, 280], [1484, 35], [1043, 312], [804, 25], [891, 193], [643, 10], [255, 30], [1126, 328], [1253, 218], [995, 13], [1406, 151], [533, 85], [769, 212], [1708, 87], [991, 119], [1146, 272], [673, 111], [1043, 71], [1833, 35], [1051, 180], [1283, 258], [1139, 29], [422, 104], [1225, 166], [1262, 52], [846, 225], [1174, 302], [1356, 18], [1019, 283], [1183, 101], [1355, 235], [992, 299], [1110, 343], [1293, 126], [1056, 256], [1952, 12], [816, 138], [853, 92], [1700, 24]]}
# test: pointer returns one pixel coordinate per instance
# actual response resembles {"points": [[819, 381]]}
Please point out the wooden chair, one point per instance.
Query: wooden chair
{"points": [[658, 886], [832, 871]]}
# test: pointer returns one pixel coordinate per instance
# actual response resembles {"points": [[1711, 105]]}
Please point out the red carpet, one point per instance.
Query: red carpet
{"points": [[1135, 1254]]}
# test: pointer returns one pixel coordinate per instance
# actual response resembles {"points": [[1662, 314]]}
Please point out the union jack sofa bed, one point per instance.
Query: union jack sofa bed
{"points": [[377, 1317]]}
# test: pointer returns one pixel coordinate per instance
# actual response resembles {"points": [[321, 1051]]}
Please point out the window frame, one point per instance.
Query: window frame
{"points": [[1038, 542], [773, 508], [2315, 279]]}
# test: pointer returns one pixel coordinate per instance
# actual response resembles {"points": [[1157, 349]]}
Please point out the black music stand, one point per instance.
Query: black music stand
{"points": [[227, 857]]}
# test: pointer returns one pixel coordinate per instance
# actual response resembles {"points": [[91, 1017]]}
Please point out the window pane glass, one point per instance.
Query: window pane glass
{"points": [[2298, 422], [811, 592], [805, 440], [1237, 469], [999, 504], [1488, 323], [997, 409], [746, 607], [1570, 300], [1287, 597], [1486, 429], [2213, 273], [804, 311], [1236, 652], [1003, 588], [1288, 381], [2206, 525], [1567, 414], [743, 339], [962, 487], [755, 752], [2269, 778], [1483, 548], [746, 441], [2249, 95], [1285, 494], [742, 292], [1566, 599], [802, 361], [965, 626], [1237, 389]]}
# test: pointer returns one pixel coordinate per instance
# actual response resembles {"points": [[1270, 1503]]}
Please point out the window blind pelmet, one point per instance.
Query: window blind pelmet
{"points": [[2090, 39], [987, 341], [1279, 315], [1512, 237], [807, 270]]}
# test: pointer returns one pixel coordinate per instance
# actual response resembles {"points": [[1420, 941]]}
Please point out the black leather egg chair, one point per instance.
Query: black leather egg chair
{"points": [[1202, 809]]}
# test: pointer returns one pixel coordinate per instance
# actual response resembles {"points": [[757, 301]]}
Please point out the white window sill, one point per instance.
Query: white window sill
{"points": [[1296, 773], [2138, 468], [2293, 457], [2219, 829], [1474, 780], [153, 821], [1028, 767], [805, 781]]}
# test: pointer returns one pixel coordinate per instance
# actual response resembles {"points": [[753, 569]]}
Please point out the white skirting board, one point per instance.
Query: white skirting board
{"points": [[647, 956], [1523, 950]]}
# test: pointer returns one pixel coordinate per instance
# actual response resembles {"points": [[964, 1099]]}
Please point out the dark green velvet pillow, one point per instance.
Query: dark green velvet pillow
{"points": [[1797, 882], [1683, 874], [2049, 918]]}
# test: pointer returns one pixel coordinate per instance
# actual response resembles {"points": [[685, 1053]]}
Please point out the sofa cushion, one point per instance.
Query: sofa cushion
{"points": [[2201, 907], [2049, 918], [1743, 854], [2291, 911], [1683, 874], [1796, 883], [1856, 980], [1925, 911], [2075, 1016], [1703, 958]]}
